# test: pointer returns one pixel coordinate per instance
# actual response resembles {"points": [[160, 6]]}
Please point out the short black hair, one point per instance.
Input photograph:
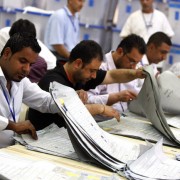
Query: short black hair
{"points": [[158, 38], [18, 41], [86, 50], [23, 25], [133, 41]]}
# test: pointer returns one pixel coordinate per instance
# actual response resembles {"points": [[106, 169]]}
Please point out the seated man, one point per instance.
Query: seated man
{"points": [[20, 51], [127, 55], [45, 61], [82, 72]]}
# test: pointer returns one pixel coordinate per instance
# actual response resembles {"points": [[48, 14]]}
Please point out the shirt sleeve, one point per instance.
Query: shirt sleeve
{"points": [[95, 96], [3, 123]]}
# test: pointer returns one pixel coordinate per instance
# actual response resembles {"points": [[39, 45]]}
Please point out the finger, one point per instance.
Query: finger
{"points": [[117, 116]]}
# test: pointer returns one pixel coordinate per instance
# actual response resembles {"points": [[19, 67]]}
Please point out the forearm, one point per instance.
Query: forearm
{"points": [[95, 109], [113, 98], [62, 51], [121, 75]]}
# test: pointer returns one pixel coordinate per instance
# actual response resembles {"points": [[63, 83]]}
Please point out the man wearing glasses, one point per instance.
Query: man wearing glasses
{"points": [[127, 55]]}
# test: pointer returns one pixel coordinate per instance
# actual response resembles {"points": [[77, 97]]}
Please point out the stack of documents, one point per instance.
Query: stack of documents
{"points": [[148, 103], [91, 143], [153, 164]]}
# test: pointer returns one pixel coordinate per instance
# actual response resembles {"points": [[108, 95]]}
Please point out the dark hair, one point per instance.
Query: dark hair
{"points": [[158, 38], [22, 40], [86, 50], [133, 41], [22, 25]]}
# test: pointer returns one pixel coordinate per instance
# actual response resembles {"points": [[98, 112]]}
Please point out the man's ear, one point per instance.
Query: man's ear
{"points": [[7, 52], [78, 64], [120, 51]]}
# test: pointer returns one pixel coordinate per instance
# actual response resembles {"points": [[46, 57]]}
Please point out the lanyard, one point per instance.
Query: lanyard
{"points": [[10, 109], [148, 24], [71, 19]]}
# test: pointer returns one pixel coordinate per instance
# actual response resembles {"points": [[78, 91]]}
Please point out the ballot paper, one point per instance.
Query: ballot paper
{"points": [[19, 167], [51, 140], [153, 164], [132, 127], [148, 102], [169, 86], [91, 143]]}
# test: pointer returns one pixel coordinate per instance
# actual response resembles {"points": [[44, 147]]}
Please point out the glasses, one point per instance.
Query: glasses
{"points": [[131, 60]]}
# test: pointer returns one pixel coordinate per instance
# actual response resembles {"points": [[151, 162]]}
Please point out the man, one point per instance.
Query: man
{"points": [[158, 47], [62, 31], [82, 72], [18, 54], [127, 55], [146, 21], [24, 25]]}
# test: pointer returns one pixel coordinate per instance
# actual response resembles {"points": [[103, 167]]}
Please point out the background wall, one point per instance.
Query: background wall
{"points": [[100, 20]]}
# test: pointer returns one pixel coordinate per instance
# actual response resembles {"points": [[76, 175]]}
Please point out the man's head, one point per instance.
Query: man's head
{"points": [[22, 26], [85, 58], [147, 5], [75, 5], [158, 46], [18, 54], [129, 52]]}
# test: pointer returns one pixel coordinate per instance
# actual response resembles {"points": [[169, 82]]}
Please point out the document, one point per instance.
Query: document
{"points": [[51, 140], [89, 140], [149, 103], [132, 127], [18, 167], [169, 85], [153, 164]]}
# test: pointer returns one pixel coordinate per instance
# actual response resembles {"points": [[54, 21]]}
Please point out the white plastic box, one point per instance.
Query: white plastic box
{"points": [[94, 12], [7, 18], [39, 20], [53, 5], [173, 57], [91, 33], [124, 9], [12, 4], [174, 19]]}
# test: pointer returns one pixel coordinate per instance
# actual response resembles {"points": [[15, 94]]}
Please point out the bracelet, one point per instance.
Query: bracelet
{"points": [[103, 109]]}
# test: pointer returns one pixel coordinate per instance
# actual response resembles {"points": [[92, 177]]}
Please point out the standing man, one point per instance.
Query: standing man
{"points": [[127, 55], [146, 22], [62, 31]]}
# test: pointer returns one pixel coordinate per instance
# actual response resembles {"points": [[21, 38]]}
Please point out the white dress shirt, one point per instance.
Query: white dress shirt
{"points": [[136, 24], [22, 92], [101, 93]]}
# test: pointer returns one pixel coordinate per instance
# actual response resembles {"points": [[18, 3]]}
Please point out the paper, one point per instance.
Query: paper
{"points": [[98, 145], [132, 127], [148, 101], [154, 164], [17, 167]]}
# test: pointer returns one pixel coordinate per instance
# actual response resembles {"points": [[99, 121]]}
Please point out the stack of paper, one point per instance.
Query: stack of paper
{"points": [[153, 165], [148, 102], [90, 142]]}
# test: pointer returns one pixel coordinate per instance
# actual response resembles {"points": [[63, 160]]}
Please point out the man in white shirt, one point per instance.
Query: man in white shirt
{"points": [[19, 53], [127, 55], [146, 22], [158, 47]]}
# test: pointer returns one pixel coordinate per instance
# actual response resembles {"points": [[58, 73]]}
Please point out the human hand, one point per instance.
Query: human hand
{"points": [[127, 95], [82, 95], [108, 111], [24, 127], [140, 74]]}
